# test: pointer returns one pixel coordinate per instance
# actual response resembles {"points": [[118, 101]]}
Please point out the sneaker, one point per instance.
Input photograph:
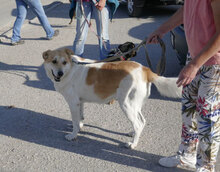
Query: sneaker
{"points": [[56, 33], [202, 169], [17, 42], [177, 161]]}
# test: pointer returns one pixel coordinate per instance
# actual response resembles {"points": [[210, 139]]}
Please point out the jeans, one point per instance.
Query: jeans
{"points": [[101, 18], [37, 8]]}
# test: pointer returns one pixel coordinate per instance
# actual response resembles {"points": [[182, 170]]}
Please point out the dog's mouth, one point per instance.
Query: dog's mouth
{"points": [[56, 78]]}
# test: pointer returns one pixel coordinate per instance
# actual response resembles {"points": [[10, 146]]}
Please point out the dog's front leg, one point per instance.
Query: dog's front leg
{"points": [[75, 113], [81, 115]]}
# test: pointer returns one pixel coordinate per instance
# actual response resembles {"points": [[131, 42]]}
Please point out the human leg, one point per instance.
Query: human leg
{"points": [[81, 28], [208, 112], [186, 155], [102, 23], [21, 15], [201, 132], [37, 8]]}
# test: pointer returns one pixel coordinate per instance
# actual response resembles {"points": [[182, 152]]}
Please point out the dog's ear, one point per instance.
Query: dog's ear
{"points": [[69, 51], [46, 54]]}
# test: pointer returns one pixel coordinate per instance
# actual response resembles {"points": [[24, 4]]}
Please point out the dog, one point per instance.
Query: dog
{"points": [[123, 48], [82, 80]]}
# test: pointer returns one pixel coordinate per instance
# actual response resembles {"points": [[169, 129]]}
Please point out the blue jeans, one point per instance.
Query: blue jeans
{"points": [[37, 8], [101, 18]]}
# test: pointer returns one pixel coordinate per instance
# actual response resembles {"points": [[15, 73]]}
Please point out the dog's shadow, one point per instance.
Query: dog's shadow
{"points": [[49, 131]]}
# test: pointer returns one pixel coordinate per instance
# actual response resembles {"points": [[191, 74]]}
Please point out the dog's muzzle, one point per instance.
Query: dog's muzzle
{"points": [[58, 77]]}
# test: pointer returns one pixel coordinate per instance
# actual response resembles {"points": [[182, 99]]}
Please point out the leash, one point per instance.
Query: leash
{"points": [[161, 64], [121, 57]]}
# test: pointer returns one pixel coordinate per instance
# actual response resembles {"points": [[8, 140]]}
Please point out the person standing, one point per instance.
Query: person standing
{"points": [[37, 8], [101, 12], [200, 78]]}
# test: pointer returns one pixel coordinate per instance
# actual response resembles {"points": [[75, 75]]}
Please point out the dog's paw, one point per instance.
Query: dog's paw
{"points": [[70, 136], [111, 102], [130, 145], [81, 125]]}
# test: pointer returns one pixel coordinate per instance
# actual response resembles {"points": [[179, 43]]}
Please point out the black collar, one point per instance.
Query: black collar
{"points": [[80, 63]]}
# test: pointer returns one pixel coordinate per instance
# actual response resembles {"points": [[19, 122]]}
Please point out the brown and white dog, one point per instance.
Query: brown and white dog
{"points": [[126, 81]]}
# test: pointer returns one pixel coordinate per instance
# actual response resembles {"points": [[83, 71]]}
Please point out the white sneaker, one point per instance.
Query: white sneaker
{"points": [[177, 160], [202, 169]]}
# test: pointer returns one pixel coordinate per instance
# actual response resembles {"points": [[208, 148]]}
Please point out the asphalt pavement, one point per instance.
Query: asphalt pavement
{"points": [[34, 118]]}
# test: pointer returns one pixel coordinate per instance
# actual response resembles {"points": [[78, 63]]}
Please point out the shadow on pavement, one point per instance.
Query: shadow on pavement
{"points": [[43, 81], [49, 131]]}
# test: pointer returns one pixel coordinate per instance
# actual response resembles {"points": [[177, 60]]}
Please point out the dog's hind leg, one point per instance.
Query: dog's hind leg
{"points": [[131, 105], [138, 123]]}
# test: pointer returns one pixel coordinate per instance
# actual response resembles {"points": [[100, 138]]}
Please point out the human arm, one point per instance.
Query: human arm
{"points": [[189, 72], [100, 4], [167, 26]]}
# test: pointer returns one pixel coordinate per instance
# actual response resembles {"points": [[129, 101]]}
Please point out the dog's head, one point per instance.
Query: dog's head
{"points": [[57, 63], [123, 48]]}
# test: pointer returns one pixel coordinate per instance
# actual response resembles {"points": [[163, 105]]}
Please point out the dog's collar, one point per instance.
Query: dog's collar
{"points": [[80, 63]]}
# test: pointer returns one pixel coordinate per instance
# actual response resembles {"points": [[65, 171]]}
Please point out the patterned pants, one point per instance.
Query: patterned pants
{"points": [[201, 118]]}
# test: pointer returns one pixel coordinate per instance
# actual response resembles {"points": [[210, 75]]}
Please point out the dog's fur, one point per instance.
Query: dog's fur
{"points": [[126, 81]]}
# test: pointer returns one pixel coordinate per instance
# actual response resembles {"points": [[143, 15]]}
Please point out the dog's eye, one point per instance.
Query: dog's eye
{"points": [[54, 61], [64, 63]]}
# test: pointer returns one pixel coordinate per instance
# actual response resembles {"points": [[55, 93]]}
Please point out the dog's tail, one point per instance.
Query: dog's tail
{"points": [[166, 86]]}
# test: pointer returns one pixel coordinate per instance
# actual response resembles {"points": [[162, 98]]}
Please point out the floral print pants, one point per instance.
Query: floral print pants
{"points": [[201, 118]]}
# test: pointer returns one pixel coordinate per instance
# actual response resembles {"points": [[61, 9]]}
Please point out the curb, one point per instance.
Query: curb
{"points": [[7, 32]]}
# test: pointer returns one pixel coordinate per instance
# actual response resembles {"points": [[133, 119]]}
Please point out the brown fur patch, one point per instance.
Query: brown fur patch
{"points": [[81, 59], [148, 75], [107, 79]]}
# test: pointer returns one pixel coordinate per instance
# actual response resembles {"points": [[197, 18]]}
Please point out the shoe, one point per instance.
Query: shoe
{"points": [[202, 169], [177, 161], [17, 42], [56, 33]]}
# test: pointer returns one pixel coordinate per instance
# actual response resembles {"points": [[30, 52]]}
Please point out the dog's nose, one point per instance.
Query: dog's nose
{"points": [[60, 73]]}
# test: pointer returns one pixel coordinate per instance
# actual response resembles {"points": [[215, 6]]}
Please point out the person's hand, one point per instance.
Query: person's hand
{"points": [[187, 74], [153, 37], [100, 5]]}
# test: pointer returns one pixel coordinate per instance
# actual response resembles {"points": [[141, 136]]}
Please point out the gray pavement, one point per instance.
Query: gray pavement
{"points": [[6, 12], [34, 118]]}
